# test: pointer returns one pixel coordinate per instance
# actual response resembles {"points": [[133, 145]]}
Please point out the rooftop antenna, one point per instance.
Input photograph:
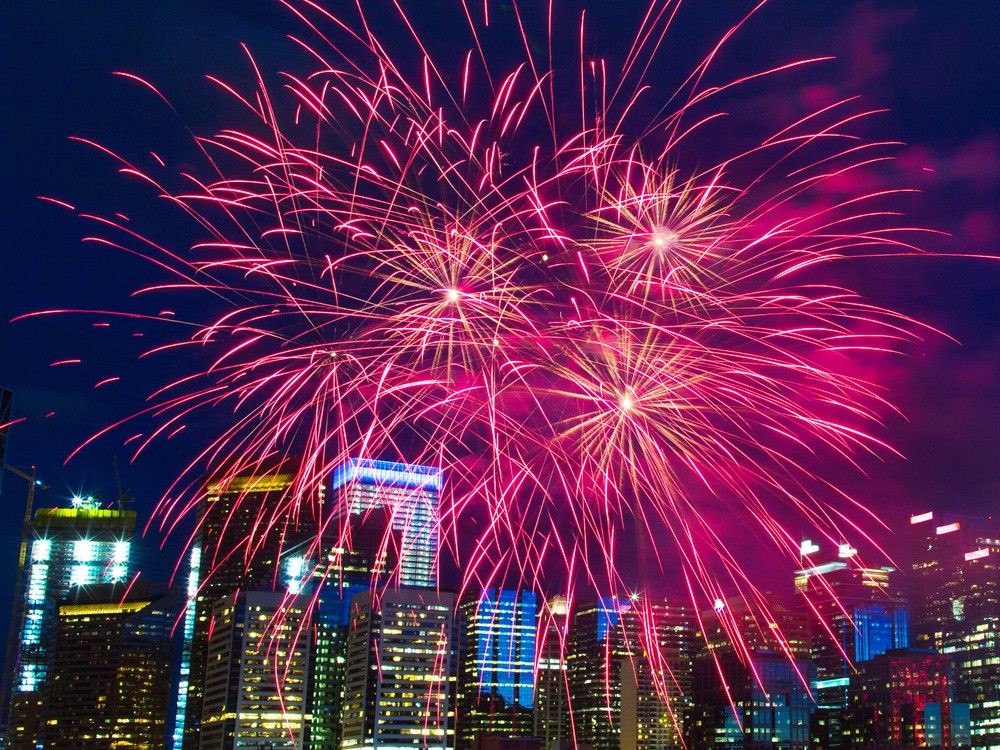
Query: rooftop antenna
{"points": [[124, 499]]}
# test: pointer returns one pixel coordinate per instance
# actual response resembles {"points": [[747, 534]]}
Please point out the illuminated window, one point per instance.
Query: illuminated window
{"points": [[41, 549], [84, 550], [81, 575], [120, 552]]}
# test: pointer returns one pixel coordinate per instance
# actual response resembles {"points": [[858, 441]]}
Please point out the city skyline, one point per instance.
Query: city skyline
{"points": [[682, 318]]}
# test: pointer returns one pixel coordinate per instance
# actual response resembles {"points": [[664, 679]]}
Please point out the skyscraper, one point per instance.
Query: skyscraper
{"points": [[110, 669], [70, 548], [231, 514], [256, 681], [904, 699], [855, 614], [552, 722], [373, 556], [956, 593], [411, 493], [497, 669], [656, 684], [400, 683], [596, 652], [628, 664], [751, 680]]}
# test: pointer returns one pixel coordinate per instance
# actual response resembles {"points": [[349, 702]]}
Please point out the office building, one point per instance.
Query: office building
{"points": [[367, 564], [904, 699], [257, 678], [751, 680], [411, 493], [855, 613], [956, 594], [232, 514], [551, 719], [656, 684], [70, 548], [628, 665], [400, 686], [497, 665], [110, 670]]}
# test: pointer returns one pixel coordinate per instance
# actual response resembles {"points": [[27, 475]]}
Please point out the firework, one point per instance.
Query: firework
{"points": [[506, 270]]}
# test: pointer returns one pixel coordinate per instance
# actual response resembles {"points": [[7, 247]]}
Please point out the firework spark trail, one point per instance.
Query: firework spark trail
{"points": [[445, 267]]}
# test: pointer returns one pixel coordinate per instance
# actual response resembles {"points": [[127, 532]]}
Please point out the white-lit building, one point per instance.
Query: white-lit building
{"points": [[70, 548], [400, 685]]}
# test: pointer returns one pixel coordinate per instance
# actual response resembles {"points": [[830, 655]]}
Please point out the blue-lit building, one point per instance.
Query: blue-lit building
{"points": [[187, 635], [497, 674], [71, 548], [411, 493], [857, 614]]}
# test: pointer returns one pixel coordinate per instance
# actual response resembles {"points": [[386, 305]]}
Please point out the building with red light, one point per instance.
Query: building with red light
{"points": [[751, 680], [904, 699], [856, 612]]}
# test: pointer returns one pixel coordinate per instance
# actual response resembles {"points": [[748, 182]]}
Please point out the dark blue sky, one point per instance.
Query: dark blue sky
{"points": [[933, 65]]}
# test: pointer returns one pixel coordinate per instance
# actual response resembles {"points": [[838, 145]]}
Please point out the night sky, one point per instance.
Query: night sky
{"points": [[933, 65]]}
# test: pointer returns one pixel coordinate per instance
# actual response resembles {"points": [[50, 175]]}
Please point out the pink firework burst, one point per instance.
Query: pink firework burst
{"points": [[505, 270]]}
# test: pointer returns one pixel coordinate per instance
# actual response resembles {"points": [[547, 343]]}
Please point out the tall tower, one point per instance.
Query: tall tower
{"points": [[411, 493], [110, 670], [551, 720], [71, 548], [400, 685], [368, 563], [256, 682], [751, 677], [597, 652], [956, 586], [497, 665], [855, 614], [242, 533], [629, 668]]}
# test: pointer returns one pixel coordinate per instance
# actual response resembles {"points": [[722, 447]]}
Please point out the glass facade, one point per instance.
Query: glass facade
{"points": [[411, 493], [498, 664], [400, 684]]}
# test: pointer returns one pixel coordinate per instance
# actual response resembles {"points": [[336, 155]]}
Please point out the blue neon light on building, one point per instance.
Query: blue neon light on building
{"points": [[505, 630], [411, 494], [373, 471]]}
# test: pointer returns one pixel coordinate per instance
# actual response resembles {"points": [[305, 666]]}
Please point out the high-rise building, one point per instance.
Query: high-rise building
{"points": [[855, 614], [551, 720], [257, 678], [401, 673], [656, 683], [411, 493], [242, 533], [751, 680], [368, 563], [628, 666], [956, 595], [497, 665], [70, 548], [904, 699], [597, 649], [109, 671]]}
